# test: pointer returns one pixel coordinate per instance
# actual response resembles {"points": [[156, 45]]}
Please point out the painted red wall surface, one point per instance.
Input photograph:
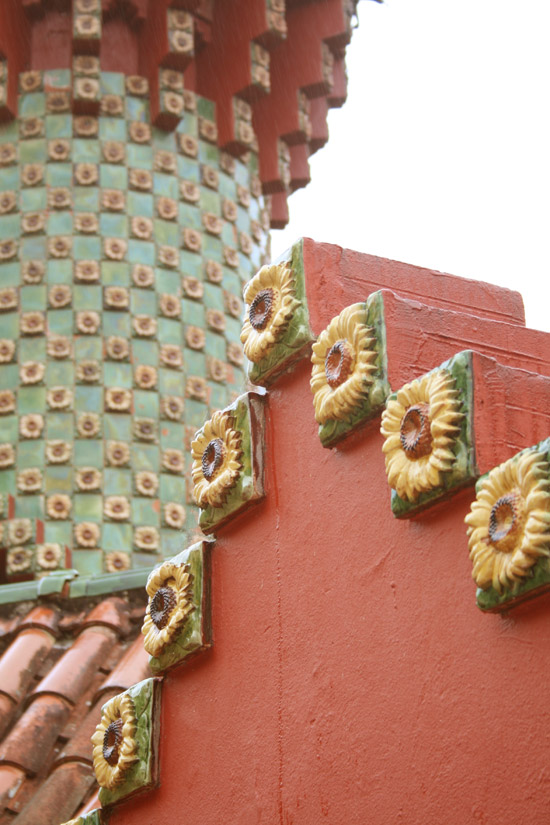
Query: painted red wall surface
{"points": [[352, 680]]}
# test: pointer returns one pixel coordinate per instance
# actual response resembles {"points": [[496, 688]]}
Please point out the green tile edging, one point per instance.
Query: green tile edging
{"points": [[47, 586], [109, 583], [77, 586]]}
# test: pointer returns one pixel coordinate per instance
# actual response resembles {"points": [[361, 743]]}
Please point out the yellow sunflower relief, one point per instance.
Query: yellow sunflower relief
{"points": [[343, 363], [216, 460], [114, 741], [169, 591], [420, 426], [271, 302], [509, 522]]}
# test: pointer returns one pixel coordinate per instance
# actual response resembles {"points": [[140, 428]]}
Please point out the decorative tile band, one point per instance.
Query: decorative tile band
{"points": [[123, 251], [509, 530]]}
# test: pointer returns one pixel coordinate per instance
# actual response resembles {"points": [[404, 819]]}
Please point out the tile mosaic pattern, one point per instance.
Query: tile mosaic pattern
{"points": [[123, 252]]}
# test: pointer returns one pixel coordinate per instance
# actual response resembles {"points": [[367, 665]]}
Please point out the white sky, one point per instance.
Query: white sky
{"points": [[441, 155]]}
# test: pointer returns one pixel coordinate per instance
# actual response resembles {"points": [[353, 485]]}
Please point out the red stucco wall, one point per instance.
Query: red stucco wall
{"points": [[353, 679]]}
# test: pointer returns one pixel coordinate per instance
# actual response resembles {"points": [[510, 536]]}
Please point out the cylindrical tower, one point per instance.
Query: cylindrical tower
{"points": [[145, 148]]}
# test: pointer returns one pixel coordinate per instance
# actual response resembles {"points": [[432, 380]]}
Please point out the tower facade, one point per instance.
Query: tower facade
{"points": [[145, 150]]}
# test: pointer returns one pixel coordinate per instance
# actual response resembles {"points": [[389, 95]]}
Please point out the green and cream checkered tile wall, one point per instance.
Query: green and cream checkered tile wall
{"points": [[123, 252]]}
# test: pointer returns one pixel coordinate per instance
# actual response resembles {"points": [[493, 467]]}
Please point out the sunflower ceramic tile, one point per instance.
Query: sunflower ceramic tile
{"points": [[429, 442], [125, 742], [349, 375], [275, 331], [228, 460], [509, 530], [177, 620]]}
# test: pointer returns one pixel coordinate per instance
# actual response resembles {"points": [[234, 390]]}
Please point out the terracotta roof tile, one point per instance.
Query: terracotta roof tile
{"points": [[111, 613], [72, 673], [21, 661], [10, 780], [59, 796], [7, 626], [78, 716], [42, 617], [51, 692], [71, 623], [31, 740], [132, 668], [7, 712]]}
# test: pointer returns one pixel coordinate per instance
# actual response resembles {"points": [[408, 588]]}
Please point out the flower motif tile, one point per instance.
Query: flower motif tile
{"points": [[428, 430], [508, 530], [349, 375], [275, 332], [227, 469], [125, 743], [177, 621]]}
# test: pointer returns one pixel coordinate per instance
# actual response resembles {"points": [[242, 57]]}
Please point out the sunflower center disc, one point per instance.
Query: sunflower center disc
{"points": [[415, 431], [111, 741], [261, 309], [338, 362], [212, 458], [505, 521], [162, 604]]}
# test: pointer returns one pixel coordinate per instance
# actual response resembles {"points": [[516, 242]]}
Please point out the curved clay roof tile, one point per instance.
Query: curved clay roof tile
{"points": [[132, 668], [33, 737], [111, 613], [72, 673], [42, 617]]}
